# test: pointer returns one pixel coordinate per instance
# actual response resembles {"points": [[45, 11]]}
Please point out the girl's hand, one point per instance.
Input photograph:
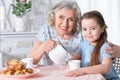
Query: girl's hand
{"points": [[74, 73]]}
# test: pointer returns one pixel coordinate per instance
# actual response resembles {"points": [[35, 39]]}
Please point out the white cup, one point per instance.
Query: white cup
{"points": [[29, 62], [74, 64], [58, 55]]}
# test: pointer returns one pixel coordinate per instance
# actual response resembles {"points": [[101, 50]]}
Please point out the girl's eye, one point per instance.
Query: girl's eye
{"points": [[84, 29], [93, 28]]}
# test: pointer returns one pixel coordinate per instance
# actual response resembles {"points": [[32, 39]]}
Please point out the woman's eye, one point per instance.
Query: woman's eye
{"points": [[61, 17], [71, 20]]}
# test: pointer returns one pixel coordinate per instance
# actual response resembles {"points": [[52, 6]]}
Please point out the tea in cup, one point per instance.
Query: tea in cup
{"points": [[74, 64], [28, 61], [58, 55]]}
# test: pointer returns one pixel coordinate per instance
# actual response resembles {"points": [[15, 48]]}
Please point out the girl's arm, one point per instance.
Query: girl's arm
{"points": [[102, 68]]}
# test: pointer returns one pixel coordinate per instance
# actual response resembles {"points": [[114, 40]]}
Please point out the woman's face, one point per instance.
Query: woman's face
{"points": [[64, 21], [91, 31]]}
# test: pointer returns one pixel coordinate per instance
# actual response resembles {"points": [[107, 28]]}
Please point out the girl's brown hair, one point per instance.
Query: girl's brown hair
{"points": [[100, 21]]}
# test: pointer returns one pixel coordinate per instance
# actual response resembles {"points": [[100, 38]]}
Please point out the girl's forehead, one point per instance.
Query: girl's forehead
{"points": [[92, 19], [89, 21]]}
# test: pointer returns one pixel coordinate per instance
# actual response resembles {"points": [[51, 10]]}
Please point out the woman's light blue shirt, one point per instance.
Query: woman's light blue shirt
{"points": [[49, 33]]}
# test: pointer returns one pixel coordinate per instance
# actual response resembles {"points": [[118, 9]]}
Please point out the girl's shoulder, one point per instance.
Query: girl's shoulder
{"points": [[103, 51], [105, 45], [85, 44]]}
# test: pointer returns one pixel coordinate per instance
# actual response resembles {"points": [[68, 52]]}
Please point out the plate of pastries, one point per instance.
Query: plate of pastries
{"points": [[17, 69]]}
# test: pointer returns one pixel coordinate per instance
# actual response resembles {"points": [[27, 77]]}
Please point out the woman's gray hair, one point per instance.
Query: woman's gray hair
{"points": [[68, 4]]}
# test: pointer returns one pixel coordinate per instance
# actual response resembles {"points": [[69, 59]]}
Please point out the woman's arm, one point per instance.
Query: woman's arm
{"points": [[117, 54], [40, 48], [114, 50], [75, 56], [101, 68]]}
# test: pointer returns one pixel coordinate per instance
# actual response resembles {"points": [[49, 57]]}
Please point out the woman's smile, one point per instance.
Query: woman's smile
{"points": [[63, 28], [65, 22]]}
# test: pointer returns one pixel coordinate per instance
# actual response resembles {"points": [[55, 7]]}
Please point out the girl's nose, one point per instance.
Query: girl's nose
{"points": [[88, 32]]}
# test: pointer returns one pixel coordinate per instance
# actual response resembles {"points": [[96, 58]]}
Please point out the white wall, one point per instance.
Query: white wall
{"points": [[110, 10], [34, 19]]}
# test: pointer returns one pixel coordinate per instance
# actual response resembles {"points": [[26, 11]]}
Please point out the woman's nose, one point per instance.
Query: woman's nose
{"points": [[65, 22]]}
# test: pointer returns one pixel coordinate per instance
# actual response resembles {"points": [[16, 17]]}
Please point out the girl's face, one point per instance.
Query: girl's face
{"points": [[91, 31], [64, 21]]}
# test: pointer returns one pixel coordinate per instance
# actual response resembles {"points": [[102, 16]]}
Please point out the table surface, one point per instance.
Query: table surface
{"points": [[56, 73]]}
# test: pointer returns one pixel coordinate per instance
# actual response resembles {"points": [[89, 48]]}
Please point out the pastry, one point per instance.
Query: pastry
{"points": [[15, 67]]}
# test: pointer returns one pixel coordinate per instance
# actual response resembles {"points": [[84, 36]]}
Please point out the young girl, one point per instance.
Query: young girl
{"points": [[91, 52]]}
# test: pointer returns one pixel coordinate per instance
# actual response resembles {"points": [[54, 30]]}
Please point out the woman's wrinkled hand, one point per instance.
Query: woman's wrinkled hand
{"points": [[111, 50], [48, 45]]}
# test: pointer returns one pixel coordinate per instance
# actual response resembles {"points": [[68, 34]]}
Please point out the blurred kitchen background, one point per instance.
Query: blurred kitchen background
{"points": [[17, 42]]}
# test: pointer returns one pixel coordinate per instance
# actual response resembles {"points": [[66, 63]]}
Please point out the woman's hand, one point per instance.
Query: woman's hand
{"points": [[40, 48], [48, 45], [111, 50]]}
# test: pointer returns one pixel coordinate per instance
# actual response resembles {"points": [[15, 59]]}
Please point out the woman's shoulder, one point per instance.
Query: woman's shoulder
{"points": [[46, 28], [44, 32], [78, 35]]}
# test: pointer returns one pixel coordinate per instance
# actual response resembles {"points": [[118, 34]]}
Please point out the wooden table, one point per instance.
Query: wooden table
{"points": [[56, 73]]}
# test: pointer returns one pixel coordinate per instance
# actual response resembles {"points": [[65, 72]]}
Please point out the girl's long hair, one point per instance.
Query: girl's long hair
{"points": [[100, 20]]}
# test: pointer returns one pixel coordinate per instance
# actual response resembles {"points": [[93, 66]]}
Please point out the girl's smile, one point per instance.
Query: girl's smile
{"points": [[91, 30]]}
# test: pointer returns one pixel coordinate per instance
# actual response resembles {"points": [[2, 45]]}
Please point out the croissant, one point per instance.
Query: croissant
{"points": [[15, 67]]}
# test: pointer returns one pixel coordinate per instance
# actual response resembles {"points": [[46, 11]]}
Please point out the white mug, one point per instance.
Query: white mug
{"points": [[74, 64], [28, 61], [58, 55]]}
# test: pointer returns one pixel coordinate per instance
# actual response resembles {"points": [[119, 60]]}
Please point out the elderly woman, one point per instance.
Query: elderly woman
{"points": [[62, 28]]}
